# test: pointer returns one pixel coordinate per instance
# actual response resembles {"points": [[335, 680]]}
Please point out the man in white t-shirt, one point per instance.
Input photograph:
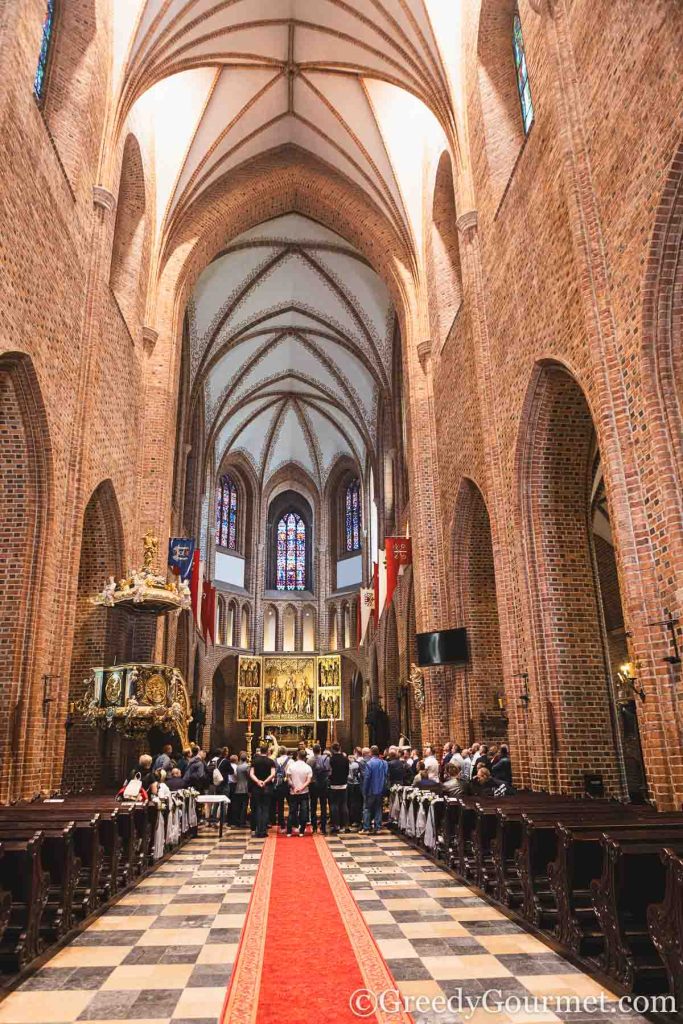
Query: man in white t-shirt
{"points": [[298, 774], [431, 764]]}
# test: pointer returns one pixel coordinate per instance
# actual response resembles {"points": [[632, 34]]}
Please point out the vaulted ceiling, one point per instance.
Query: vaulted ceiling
{"points": [[343, 79], [291, 341]]}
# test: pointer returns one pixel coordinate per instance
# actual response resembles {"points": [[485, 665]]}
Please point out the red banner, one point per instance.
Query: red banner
{"points": [[375, 585], [194, 586], [399, 552], [208, 610]]}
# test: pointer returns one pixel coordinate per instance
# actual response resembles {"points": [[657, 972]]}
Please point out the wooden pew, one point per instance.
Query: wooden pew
{"points": [[90, 888], [665, 921], [60, 863], [578, 862], [5, 902], [539, 848], [28, 885], [633, 877]]}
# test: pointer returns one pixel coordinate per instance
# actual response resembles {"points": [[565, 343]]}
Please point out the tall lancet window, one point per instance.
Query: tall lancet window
{"points": [[226, 513], [523, 87], [291, 553], [40, 79], [353, 516]]}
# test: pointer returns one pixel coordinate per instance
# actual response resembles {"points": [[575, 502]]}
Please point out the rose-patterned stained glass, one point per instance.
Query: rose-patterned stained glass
{"points": [[226, 513], [523, 87], [44, 55], [291, 553], [353, 516]]}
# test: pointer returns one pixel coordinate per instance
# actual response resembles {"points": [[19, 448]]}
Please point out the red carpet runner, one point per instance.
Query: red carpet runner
{"points": [[305, 948]]}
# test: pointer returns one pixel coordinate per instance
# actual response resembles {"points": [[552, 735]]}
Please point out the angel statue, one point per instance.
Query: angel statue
{"points": [[150, 545]]}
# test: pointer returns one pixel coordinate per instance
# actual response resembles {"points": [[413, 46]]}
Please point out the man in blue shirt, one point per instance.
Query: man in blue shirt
{"points": [[374, 784]]}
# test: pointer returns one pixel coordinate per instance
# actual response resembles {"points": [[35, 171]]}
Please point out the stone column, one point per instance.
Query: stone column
{"points": [[431, 602], [502, 526]]}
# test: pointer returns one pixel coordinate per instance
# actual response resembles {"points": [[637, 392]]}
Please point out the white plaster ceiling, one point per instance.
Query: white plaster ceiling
{"points": [[295, 72], [291, 339]]}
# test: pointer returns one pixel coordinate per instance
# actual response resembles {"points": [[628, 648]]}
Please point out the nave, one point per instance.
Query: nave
{"points": [[299, 927]]}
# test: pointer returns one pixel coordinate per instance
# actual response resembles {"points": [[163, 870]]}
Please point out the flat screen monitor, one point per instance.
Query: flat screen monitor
{"points": [[447, 647]]}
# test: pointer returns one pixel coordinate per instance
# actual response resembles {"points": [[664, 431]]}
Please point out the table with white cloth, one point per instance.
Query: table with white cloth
{"points": [[216, 799]]}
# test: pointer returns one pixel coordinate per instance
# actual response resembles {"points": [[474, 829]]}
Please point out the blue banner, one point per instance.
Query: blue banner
{"points": [[180, 552]]}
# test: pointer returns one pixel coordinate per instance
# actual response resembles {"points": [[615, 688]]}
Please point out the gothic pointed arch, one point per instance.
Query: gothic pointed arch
{"points": [[26, 499]]}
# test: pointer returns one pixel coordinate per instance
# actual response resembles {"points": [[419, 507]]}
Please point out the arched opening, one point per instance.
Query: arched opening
{"points": [[25, 502], [479, 687], [504, 125], [333, 629], [128, 251], [100, 636], [231, 625], [221, 632], [572, 702], [308, 629], [346, 618], [443, 256], [289, 630], [244, 628], [290, 543], [357, 717], [269, 629], [224, 729]]}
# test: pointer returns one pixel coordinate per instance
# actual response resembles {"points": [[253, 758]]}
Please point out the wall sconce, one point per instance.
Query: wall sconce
{"points": [[627, 681]]}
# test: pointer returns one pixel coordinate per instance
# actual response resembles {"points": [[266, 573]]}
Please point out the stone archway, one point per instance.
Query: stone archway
{"points": [[478, 687], [572, 692], [100, 636]]}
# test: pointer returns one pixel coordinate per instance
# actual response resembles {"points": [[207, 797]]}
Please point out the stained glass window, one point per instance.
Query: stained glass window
{"points": [[353, 516], [44, 55], [291, 553], [226, 513], [523, 86]]}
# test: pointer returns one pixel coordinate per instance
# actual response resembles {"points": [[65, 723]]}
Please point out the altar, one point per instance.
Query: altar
{"points": [[289, 694]]}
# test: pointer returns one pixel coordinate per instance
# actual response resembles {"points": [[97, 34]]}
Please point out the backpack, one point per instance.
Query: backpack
{"points": [[217, 776], [280, 772]]}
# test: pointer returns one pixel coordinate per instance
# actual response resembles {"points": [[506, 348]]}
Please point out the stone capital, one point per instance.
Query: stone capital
{"points": [[149, 338], [467, 221], [424, 352], [103, 199]]}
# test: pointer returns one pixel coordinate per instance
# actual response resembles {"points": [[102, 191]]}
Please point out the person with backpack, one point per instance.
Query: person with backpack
{"points": [[221, 770], [281, 788], [318, 790]]}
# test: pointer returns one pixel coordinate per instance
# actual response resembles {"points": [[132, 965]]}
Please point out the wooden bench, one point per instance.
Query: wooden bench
{"points": [[28, 884], [633, 877], [90, 888], [665, 921], [60, 863]]}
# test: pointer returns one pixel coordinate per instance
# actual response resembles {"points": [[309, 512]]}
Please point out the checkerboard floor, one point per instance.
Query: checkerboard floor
{"points": [[164, 953], [440, 939]]}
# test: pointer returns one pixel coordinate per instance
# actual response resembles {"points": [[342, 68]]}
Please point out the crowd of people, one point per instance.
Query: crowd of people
{"points": [[321, 787]]}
